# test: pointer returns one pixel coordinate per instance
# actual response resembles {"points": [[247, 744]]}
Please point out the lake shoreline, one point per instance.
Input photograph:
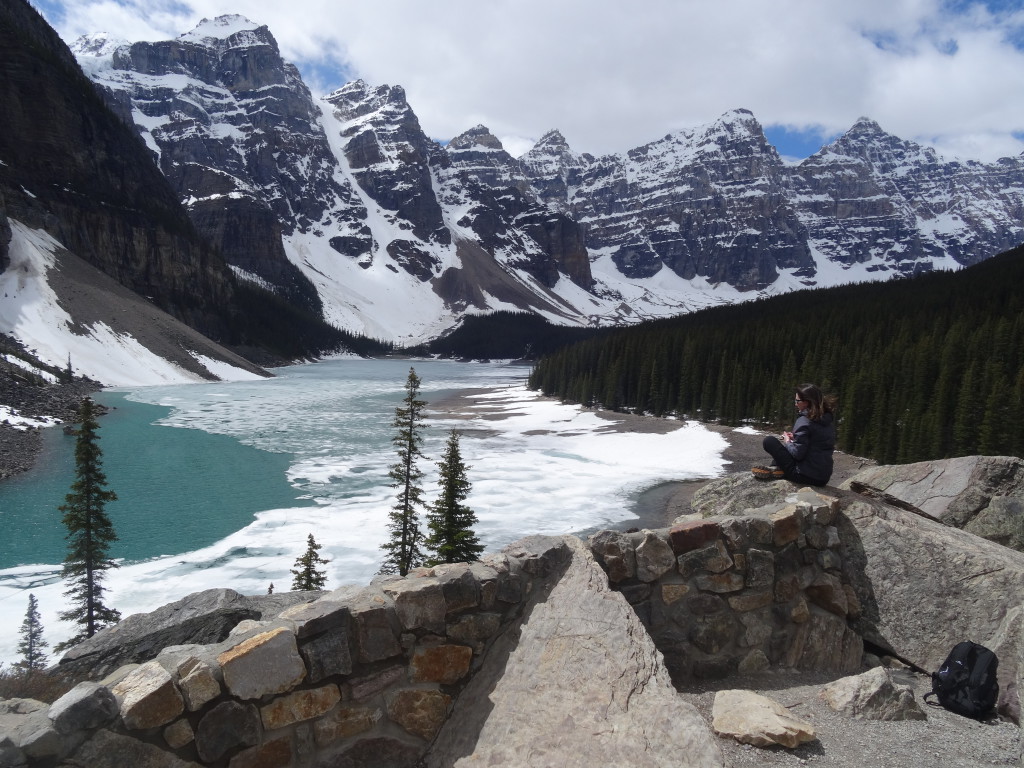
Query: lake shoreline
{"points": [[661, 504], [20, 445]]}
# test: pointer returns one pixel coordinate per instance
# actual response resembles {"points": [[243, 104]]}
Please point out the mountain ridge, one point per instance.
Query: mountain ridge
{"points": [[703, 216]]}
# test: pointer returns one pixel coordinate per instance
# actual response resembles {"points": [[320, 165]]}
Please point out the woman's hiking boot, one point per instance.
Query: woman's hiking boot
{"points": [[768, 473]]}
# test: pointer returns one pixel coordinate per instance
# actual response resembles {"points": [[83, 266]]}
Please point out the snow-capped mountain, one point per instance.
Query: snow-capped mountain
{"points": [[345, 205]]}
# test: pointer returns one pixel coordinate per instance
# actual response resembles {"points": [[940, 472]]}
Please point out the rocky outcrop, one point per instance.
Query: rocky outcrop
{"points": [[505, 214], [980, 494], [204, 618], [552, 649], [924, 587], [389, 157], [709, 203], [395, 673], [871, 196], [238, 136], [72, 168]]}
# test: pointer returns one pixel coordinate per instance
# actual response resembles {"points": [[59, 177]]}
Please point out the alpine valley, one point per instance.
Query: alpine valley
{"points": [[342, 207]]}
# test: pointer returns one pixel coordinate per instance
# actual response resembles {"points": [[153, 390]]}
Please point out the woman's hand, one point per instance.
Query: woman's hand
{"points": [[787, 437]]}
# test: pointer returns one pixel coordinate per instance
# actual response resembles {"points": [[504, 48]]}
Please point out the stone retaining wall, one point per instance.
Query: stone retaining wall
{"points": [[727, 595], [362, 676]]}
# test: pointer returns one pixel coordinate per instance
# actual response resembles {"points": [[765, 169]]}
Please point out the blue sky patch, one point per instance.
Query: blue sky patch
{"points": [[795, 143]]}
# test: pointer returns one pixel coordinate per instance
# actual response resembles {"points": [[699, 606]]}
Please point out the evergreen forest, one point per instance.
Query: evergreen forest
{"points": [[924, 368]]}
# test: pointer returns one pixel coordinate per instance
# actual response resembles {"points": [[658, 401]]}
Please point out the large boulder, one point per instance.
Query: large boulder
{"points": [[873, 695], [736, 494], [751, 718], [981, 494], [203, 617], [924, 586], [579, 683]]}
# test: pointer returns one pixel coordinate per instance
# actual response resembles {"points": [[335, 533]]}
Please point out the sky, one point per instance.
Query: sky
{"points": [[612, 76]]}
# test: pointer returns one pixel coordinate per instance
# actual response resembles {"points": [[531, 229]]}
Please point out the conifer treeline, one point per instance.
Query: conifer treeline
{"points": [[925, 368]]}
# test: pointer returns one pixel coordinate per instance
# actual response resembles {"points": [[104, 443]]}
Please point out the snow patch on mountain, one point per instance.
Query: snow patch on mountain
{"points": [[31, 312], [215, 31]]}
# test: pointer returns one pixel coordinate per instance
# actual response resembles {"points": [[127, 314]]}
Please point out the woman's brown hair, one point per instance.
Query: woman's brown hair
{"points": [[815, 403]]}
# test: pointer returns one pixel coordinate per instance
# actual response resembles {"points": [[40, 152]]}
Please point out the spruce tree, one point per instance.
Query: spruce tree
{"points": [[32, 644], [452, 539], [402, 550], [306, 574], [89, 536]]}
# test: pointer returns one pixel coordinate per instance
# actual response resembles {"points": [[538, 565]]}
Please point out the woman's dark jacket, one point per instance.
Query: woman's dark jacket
{"points": [[812, 446]]}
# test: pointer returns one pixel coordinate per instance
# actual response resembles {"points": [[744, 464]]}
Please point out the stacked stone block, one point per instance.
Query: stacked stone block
{"points": [[727, 595], [361, 676]]}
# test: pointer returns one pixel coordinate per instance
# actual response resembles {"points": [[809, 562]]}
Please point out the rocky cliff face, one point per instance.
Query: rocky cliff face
{"points": [[709, 203], [872, 197], [296, 192], [69, 166], [389, 157], [504, 212], [235, 130]]}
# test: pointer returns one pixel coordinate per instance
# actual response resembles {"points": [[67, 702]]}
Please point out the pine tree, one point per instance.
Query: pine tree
{"points": [[307, 575], [402, 549], [452, 539], [32, 644], [90, 533]]}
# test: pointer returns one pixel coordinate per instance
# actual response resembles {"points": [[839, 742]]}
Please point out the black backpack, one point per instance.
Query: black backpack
{"points": [[966, 681]]}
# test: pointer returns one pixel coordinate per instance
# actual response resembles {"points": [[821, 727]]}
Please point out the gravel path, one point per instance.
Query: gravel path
{"points": [[943, 740]]}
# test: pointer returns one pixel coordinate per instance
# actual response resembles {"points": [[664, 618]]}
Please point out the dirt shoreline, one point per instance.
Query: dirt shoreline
{"points": [[20, 445]]}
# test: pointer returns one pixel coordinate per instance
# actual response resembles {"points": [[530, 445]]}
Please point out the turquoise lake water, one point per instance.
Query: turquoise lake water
{"points": [[178, 489]]}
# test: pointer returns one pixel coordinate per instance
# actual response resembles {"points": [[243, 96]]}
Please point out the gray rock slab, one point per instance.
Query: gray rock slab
{"points": [[111, 750], [86, 706], [873, 695], [203, 617], [954, 491], [578, 683]]}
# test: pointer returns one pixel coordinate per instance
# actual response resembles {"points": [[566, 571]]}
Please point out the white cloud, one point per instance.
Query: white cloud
{"points": [[612, 75]]}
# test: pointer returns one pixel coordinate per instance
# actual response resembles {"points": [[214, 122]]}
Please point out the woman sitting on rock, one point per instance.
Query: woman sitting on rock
{"points": [[805, 454]]}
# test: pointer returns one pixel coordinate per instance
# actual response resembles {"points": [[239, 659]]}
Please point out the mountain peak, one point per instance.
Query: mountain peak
{"points": [[221, 28], [96, 44], [740, 118], [356, 98], [478, 136], [865, 125], [553, 139]]}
